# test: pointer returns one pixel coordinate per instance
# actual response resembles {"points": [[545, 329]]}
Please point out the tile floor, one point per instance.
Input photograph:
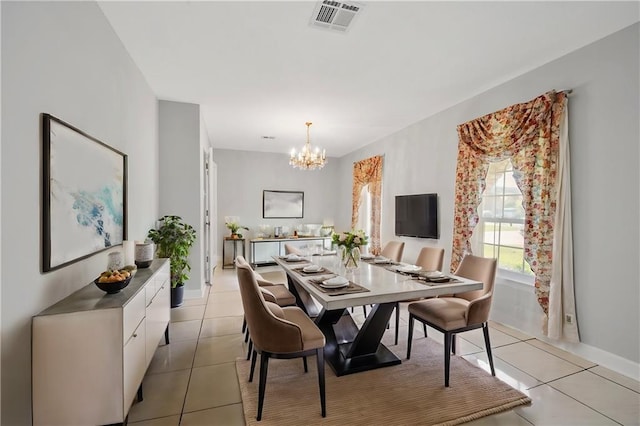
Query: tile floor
{"points": [[192, 381]]}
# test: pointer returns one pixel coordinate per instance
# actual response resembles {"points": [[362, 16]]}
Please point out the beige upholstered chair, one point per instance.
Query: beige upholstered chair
{"points": [[393, 250], [461, 312], [429, 259], [272, 292], [290, 249], [278, 333]]}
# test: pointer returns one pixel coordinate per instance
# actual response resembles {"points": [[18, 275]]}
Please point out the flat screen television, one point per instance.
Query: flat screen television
{"points": [[417, 216]]}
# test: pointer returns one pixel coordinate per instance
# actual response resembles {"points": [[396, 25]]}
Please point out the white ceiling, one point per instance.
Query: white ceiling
{"points": [[260, 69]]}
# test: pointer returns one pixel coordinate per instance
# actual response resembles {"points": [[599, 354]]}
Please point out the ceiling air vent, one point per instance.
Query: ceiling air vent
{"points": [[335, 15]]}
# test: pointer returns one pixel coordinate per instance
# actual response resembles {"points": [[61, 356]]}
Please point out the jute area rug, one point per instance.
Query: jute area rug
{"points": [[411, 393]]}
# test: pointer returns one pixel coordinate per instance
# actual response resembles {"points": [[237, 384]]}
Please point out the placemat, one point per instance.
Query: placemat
{"points": [[300, 270], [292, 261], [436, 281], [350, 289]]}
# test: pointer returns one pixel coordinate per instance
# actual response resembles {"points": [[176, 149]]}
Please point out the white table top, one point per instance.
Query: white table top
{"points": [[384, 285]]}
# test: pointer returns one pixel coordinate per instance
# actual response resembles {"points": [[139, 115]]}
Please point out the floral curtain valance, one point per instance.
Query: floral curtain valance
{"points": [[527, 133], [368, 172]]}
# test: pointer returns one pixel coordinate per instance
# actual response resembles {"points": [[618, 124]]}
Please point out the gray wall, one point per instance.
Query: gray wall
{"points": [[181, 176], [604, 135], [64, 59], [243, 175]]}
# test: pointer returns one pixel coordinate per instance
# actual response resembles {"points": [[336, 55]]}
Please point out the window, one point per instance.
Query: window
{"points": [[365, 211], [500, 232]]}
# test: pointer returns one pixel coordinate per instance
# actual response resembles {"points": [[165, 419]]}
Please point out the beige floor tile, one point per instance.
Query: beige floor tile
{"points": [[199, 300], [508, 418], [463, 347], [224, 285], [574, 359], [187, 313], [620, 379], [510, 331], [223, 297], [552, 408], [163, 396], [184, 330], [219, 350], [229, 415], [535, 362], [162, 421], [498, 338], [609, 398], [514, 377], [172, 357], [213, 386], [222, 309], [223, 326]]}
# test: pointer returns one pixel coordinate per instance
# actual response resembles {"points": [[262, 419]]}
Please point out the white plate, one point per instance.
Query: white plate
{"points": [[382, 260], [312, 268], [323, 285], [434, 274], [335, 282], [293, 257], [409, 268]]}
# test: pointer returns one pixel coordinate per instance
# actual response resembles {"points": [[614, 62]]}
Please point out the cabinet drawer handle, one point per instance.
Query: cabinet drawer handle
{"points": [[135, 335]]}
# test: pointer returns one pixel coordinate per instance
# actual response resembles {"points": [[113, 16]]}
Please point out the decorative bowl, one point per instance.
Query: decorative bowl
{"points": [[112, 287]]}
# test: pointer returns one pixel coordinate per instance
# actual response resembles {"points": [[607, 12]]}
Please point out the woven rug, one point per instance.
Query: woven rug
{"points": [[411, 393]]}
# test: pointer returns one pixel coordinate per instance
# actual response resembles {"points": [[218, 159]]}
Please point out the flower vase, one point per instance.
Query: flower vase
{"points": [[351, 258]]}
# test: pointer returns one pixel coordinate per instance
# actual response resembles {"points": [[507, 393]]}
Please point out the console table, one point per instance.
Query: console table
{"points": [[263, 249], [90, 351], [234, 242]]}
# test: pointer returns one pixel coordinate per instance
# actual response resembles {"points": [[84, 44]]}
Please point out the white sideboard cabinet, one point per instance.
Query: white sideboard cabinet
{"points": [[90, 351], [262, 249]]}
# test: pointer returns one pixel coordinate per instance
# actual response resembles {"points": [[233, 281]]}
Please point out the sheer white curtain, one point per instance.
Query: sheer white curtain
{"points": [[364, 213], [561, 290]]}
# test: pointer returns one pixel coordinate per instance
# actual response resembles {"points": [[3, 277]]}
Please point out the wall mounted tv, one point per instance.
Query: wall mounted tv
{"points": [[417, 216]]}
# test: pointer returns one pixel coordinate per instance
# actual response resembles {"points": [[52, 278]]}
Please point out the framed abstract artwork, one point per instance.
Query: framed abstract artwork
{"points": [[84, 195], [282, 204]]}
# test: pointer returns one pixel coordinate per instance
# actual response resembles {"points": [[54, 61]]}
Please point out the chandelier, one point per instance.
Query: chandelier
{"points": [[307, 159]]}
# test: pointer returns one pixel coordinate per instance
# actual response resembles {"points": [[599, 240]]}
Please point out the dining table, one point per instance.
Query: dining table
{"points": [[351, 348]]}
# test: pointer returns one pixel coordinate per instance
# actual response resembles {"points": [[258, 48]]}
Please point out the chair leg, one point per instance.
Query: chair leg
{"points": [[424, 327], [487, 343], [254, 356], [364, 309], [323, 402], [410, 339], [244, 324], [246, 335], [250, 349], [304, 361], [447, 357], [453, 344], [264, 366], [397, 320]]}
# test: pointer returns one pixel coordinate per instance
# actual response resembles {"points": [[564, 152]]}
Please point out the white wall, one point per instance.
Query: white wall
{"points": [[181, 180], [603, 131], [243, 175], [63, 59]]}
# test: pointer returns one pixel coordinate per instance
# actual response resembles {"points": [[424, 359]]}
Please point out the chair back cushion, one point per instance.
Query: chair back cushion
{"points": [[290, 249], [268, 332], [480, 269], [431, 258], [393, 250]]}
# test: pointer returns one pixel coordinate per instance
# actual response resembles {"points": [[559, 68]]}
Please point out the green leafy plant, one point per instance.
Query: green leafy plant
{"points": [[234, 227], [174, 239]]}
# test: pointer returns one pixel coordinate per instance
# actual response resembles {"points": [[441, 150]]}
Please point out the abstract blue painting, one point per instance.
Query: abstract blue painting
{"points": [[84, 196]]}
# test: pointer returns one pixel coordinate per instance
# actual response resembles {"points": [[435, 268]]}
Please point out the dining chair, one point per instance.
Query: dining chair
{"points": [[429, 259], [272, 292], [461, 312], [278, 333], [291, 249], [393, 250]]}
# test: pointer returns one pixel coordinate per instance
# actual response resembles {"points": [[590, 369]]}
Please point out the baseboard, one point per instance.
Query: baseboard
{"points": [[193, 293]]}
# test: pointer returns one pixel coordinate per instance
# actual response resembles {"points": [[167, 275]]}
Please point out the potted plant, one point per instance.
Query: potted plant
{"points": [[234, 227], [174, 239]]}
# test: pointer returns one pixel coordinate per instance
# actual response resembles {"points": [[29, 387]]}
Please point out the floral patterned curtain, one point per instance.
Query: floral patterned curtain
{"points": [[368, 172], [528, 134]]}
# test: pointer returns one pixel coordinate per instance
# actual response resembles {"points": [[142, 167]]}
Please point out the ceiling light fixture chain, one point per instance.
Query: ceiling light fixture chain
{"points": [[308, 159]]}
